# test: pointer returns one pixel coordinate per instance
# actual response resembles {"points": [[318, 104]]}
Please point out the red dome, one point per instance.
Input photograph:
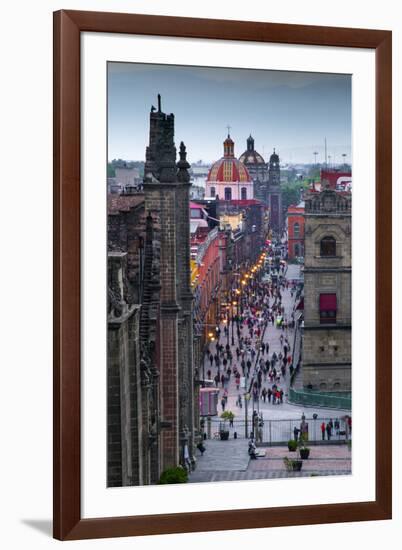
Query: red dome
{"points": [[228, 168]]}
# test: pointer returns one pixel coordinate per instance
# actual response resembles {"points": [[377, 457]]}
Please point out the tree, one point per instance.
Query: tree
{"points": [[291, 193]]}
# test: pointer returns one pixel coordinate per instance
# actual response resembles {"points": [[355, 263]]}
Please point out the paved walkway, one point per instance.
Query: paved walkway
{"points": [[229, 461], [226, 456]]}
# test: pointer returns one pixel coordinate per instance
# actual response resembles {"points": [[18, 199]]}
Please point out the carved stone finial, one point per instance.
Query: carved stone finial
{"points": [[183, 166]]}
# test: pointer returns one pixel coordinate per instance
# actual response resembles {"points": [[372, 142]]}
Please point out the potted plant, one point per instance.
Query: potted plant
{"points": [[228, 415], [304, 451], [292, 465], [173, 475], [292, 445], [223, 430]]}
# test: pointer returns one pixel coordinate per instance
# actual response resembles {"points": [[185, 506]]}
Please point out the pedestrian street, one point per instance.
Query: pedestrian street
{"points": [[275, 337]]}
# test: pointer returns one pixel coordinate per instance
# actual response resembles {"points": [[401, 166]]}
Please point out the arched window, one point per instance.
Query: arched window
{"points": [[212, 192], [328, 246], [228, 193], [296, 229], [243, 193]]}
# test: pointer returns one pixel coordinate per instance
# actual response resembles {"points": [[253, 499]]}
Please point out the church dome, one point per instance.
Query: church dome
{"points": [[250, 155], [228, 168]]}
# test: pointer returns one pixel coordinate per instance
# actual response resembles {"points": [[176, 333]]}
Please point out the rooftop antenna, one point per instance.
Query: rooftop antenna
{"points": [[159, 103]]}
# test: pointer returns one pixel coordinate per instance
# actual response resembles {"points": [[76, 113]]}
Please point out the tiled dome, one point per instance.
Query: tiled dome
{"points": [[228, 168], [250, 155]]}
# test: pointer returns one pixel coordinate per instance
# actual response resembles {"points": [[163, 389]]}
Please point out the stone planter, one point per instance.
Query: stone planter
{"points": [[304, 454]]}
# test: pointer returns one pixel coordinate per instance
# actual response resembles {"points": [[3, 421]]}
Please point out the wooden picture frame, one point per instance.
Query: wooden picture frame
{"points": [[68, 25]]}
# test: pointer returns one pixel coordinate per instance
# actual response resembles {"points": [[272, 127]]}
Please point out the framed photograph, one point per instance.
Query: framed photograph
{"points": [[222, 218]]}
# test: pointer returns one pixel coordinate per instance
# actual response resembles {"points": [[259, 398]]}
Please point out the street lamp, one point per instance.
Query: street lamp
{"points": [[234, 303], [246, 400]]}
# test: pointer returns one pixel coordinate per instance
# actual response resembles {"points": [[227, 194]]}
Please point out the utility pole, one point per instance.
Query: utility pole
{"points": [[344, 159], [315, 157], [326, 159]]}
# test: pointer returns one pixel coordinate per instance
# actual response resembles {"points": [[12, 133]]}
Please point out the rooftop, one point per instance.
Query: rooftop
{"points": [[123, 203]]}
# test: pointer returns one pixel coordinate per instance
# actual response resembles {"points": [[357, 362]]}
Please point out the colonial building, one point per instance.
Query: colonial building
{"points": [[327, 290], [228, 179], [151, 394], [266, 182], [296, 231]]}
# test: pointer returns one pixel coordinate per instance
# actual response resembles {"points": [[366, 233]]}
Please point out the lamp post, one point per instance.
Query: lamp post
{"points": [[234, 303], [210, 339], [246, 400], [226, 323]]}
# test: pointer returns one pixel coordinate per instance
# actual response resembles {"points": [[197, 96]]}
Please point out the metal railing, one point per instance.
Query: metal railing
{"points": [[319, 399], [279, 432]]}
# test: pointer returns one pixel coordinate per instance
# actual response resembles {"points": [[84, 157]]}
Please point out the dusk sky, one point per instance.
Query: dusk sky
{"points": [[290, 111]]}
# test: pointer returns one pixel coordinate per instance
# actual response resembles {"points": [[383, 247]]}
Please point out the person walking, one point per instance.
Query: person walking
{"points": [[328, 430], [223, 403], [269, 395], [323, 431]]}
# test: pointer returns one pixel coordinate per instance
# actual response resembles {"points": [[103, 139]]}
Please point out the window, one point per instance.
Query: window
{"points": [[328, 309], [228, 193], [328, 247], [243, 193], [212, 191], [297, 250], [296, 229]]}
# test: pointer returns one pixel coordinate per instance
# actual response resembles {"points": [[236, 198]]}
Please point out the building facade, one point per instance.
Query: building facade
{"points": [[151, 391], [295, 231], [327, 291]]}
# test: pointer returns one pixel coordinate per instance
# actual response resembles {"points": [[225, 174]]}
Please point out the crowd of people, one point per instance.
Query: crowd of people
{"points": [[256, 369]]}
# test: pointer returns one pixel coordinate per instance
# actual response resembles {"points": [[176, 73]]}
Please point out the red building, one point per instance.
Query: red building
{"points": [[295, 231], [206, 254], [337, 180]]}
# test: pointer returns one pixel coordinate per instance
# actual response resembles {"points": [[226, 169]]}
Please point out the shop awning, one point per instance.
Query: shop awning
{"points": [[327, 302]]}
